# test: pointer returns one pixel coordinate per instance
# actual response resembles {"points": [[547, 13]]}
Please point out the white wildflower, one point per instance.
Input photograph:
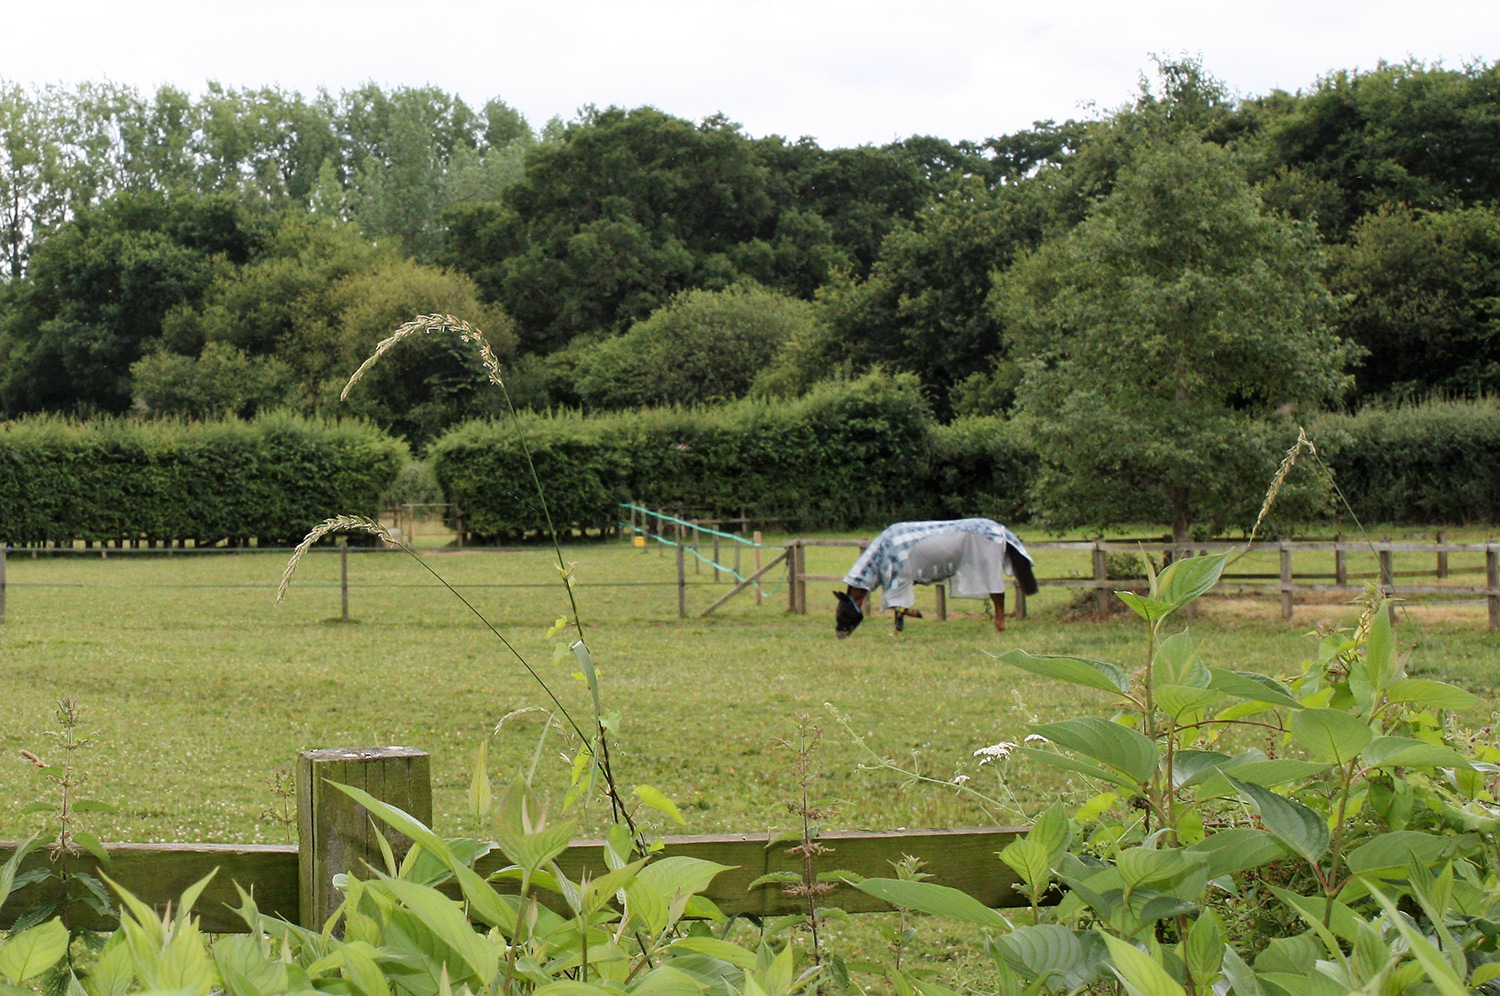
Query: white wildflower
{"points": [[1001, 750], [1036, 738], [960, 779]]}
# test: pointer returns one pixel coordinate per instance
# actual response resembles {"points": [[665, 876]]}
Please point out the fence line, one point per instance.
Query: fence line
{"points": [[335, 836]]}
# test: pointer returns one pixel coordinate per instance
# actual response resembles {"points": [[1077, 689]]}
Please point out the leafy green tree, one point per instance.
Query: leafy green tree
{"points": [[702, 346], [1412, 134], [218, 382], [924, 307], [1423, 299], [99, 290], [1159, 340]]}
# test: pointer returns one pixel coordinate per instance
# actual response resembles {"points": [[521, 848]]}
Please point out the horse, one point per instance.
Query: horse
{"points": [[971, 553]]}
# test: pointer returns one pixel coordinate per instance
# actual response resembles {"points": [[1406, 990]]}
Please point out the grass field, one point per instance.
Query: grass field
{"points": [[199, 691]]}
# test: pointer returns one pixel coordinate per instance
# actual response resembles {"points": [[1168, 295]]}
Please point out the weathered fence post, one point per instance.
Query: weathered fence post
{"points": [[2, 582], [1340, 561], [1018, 611], [1101, 575], [344, 580], [681, 583], [1387, 582], [716, 556], [1442, 556], [697, 545], [942, 601], [458, 526], [1286, 581], [337, 835], [801, 578], [1492, 582], [791, 575], [756, 537]]}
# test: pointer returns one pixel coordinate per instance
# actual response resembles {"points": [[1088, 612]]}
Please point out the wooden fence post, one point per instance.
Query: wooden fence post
{"points": [[716, 556], [2, 582], [344, 580], [1492, 581], [681, 583], [942, 601], [801, 579], [697, 545], [1340, 561], [1101, 574], [335, 834], [756, 537], [1442, 557], [791, 575], [1286, 581], [1018, 611]]}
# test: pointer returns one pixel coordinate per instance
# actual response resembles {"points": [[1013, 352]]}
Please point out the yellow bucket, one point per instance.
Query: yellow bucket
{"points": [[638, 540]]}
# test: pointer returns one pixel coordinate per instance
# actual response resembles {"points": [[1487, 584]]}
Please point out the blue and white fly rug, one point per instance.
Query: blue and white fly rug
{"points": [[972, 555]]}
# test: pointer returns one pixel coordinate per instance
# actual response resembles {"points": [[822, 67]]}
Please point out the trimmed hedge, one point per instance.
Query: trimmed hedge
{"points": [[847, 454], [268, 480], [1436, 462]]}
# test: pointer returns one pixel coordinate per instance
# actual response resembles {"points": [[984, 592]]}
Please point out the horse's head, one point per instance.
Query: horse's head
{"points": [[847, 617]]}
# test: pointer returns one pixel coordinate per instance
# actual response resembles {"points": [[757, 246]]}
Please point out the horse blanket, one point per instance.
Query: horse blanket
{"points": [[971, 554]]}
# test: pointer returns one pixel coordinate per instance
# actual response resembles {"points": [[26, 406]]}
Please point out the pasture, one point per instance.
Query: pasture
{"points": [[198, 690]]}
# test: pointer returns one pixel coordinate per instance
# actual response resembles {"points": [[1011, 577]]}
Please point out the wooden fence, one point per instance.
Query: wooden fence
{"points": [[335, 835], [1335, 577]]}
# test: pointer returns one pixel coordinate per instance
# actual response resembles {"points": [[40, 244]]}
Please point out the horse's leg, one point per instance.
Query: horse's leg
{"points": [[999, 601]]}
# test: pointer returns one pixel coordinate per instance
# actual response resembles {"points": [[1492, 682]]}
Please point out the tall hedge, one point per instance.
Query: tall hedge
{"points": [[1436, 462], [268, 480], [846, 454]]}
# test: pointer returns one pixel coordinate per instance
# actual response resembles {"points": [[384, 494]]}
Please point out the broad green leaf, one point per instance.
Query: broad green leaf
{"points": [[1343, 922], [1189, 765], [446, 920], [664, 980], [1074, 764], [12, 866], [363, 973], [681, 875], [1203, 951], [481, 795], [402, 821], [1237, 849], [1148, 609], [1120, 747], [1296, 826], [1043, 951], [31, 952], [654, 798], [190, 896], [1078, 670], [1240, 975], [1393, 852], [1177, 700], [715, 948], [94, 806], [1431, 694], [1185, 579], [1253, 687], [1030, 859], [643, 901], [1139, 972], [245, 968], [1140, 866], [90, 843], [939, 900], [1387, 752], [113, 973], [1330, 734], [1177, 657], [1275, 772], [1052, 830], [1380, 649]]}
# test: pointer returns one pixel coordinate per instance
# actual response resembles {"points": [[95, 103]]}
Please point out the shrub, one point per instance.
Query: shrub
{"points": [[231, 481]]}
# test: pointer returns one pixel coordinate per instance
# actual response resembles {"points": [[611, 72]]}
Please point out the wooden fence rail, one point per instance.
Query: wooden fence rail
{"points": [[1284, 583], [335, 835]]}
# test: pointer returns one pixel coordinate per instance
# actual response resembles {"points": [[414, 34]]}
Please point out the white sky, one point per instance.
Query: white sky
{"points": [[843, 72]]}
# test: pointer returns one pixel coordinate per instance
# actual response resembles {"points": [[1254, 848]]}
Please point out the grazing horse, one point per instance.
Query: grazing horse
{"points": [[972, 554]]}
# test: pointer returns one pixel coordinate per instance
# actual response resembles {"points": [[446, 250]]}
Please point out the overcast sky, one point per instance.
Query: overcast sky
{"points": [[843, 72]]}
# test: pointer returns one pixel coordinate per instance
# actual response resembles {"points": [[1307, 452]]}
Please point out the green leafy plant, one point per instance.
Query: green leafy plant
{"points": [[1365, 827]]}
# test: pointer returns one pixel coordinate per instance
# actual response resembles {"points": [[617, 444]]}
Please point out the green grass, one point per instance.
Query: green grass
{"points": [[199, 691]]}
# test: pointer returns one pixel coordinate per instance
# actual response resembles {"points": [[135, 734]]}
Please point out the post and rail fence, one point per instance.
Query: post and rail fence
{"points": [[337, 835]]}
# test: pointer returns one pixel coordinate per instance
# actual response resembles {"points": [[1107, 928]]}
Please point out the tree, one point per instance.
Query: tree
{"points": [[218, 382], [702, 346], [1159, 340], [1423, 293]]}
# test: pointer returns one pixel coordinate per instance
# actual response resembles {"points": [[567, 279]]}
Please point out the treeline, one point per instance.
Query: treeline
{"points": [[234, 251], [1145, 295]]}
